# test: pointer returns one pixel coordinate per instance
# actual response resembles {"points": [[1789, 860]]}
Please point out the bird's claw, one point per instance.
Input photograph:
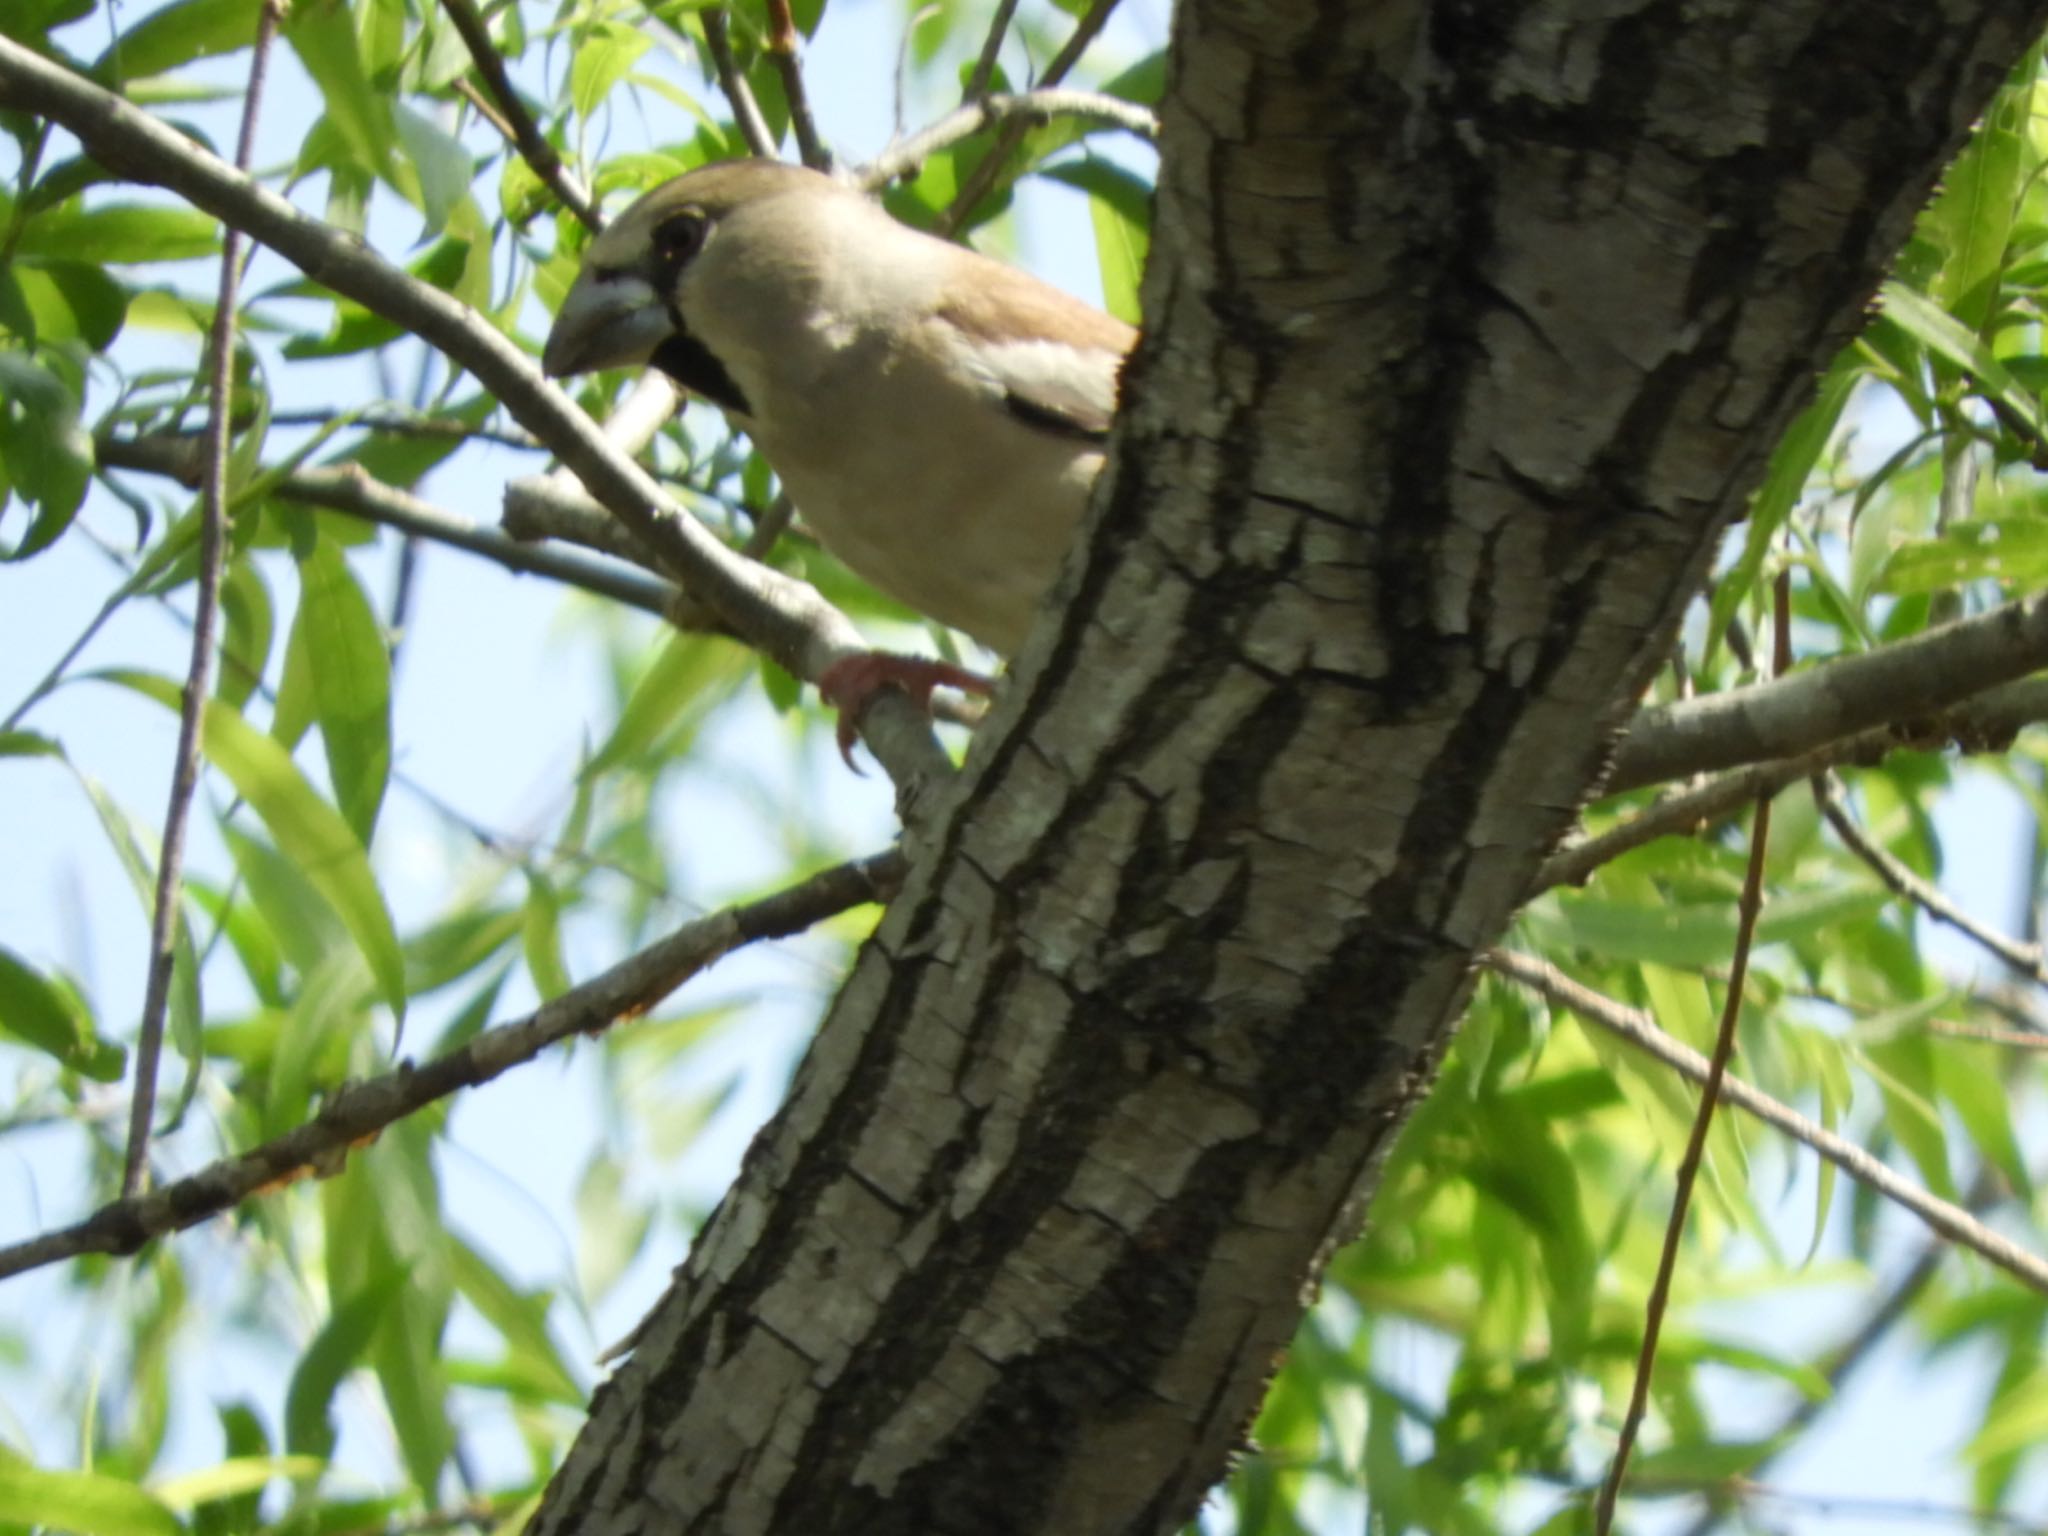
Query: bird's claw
{"points": [[851, 682]]}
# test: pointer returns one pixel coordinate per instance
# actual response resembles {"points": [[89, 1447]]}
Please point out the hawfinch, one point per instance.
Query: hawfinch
{"points": [[936, 416]]}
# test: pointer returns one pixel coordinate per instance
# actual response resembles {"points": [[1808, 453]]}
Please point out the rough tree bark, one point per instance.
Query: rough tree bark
{"points": [[1470, 325]]}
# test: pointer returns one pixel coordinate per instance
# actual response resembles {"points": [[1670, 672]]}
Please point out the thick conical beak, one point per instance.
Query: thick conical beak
{"points": [[607, 320]]}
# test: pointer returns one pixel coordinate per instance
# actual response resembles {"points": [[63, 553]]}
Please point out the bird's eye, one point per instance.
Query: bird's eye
{"points": [[679, 236]]}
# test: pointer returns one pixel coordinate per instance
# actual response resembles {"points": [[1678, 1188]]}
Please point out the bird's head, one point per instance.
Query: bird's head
{"points": [[631, 303]]}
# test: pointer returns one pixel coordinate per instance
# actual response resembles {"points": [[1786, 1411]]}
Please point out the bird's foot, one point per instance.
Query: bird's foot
{"points": [[848, 685]]}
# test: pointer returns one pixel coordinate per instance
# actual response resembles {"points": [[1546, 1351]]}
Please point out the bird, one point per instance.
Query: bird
{"points": [[937, 417]]}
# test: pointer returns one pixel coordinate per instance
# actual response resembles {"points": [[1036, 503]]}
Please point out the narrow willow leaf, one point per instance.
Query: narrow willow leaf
{"points": [[38, 1012], [605, 54], [543, 935], [81, 1502], [308, 830], [349, 669], [1120, 207], [1791, 465]]}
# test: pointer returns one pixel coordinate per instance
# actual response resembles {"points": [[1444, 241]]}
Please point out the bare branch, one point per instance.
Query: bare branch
{"points": [[1914, 678], [1986, 721], [783, 46], [1029, 108], [1640, 1030], [1748, 908], [400, 425], [1893, 871], [777, 614], [1842, 1361], [526, 136], [352, 490], [992, 45], [746, 111], [320, 1146], [991, 167], [170, 869]]}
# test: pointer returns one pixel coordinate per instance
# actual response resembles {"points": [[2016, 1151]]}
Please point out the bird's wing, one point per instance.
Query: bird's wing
{"points": [[1052, 359]]}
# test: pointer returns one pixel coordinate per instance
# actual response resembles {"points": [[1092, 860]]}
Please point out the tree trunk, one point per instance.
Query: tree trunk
{"points": [[1470, 326]]}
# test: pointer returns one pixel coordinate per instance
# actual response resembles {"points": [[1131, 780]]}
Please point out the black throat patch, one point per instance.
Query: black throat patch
{"points": [[691, 364]]}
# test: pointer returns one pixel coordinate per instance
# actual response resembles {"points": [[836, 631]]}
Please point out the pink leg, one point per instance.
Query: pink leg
{"points": [[848, 686]]}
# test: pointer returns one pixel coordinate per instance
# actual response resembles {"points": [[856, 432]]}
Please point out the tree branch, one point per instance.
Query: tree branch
{"points": [[1029, 108], [1640, 1030], [992, 45], [170, 869], [746, 112], [359, 1110], [526, 136], [783, 52], [352, 490], [1986, 721], [1748, 907], [984, 176], [783, 617], [1914, 678], [2024, 958]]}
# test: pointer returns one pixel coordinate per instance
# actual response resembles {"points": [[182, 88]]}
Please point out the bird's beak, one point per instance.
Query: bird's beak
{"points": [[607, 320]]}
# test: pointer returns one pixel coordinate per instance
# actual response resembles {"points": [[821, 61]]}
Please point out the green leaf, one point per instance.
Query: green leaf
{"points": [[130, 233], [73, 301], [444, 166], [130, 844], [81, 1502], [2009, 550], [40, 1013], [28, 744], [175, 35], [605, 55], [245, 640], [521, 1320], [686, 679], [1946, 337], [323, 35], [1973, 215], [543, 933], [349, 671], [1120, 207], [309, 832], [237, 1475], [1693, 935], [335, 1351], [1791, 466], [383, 1218]]}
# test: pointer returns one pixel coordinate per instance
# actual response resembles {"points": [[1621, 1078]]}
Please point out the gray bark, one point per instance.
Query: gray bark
{"points": [[1469, 328]]}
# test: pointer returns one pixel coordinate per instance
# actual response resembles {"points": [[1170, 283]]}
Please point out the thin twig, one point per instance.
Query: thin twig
{"points": [[769, 528], [1842, 1362], [2024, 958], [984, 175], [1983, 1034], [170, 869], [411, 426], [746, 112], [350, 489], [1748, 908], [319, 1147], [525, 134], [1029, 107], [783, 52], [1640, 1030], [992, 45], [1919, 1511], [470, 92]]}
